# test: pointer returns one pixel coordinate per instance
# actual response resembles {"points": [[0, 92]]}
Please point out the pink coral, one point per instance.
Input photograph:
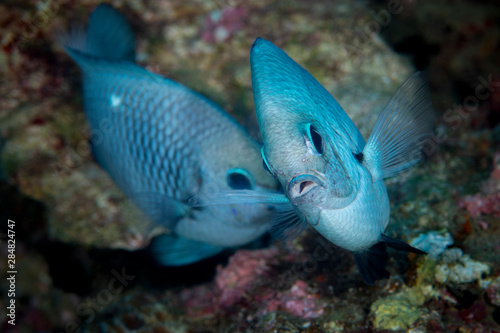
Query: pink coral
{"points": [[221, 25], [239, 278], [480, 204], [493, 292], [488, 200], [243, 268], [199, 301], [297, 301], [232, 282], [300, 303]]}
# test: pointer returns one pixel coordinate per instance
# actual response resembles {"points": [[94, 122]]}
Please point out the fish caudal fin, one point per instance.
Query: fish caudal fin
{"points": [[371, 262], [108, 36], [171, 250], [398, 137]]}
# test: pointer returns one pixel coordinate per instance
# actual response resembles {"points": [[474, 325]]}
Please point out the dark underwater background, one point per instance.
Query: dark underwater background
{"points": [[81, 247]]}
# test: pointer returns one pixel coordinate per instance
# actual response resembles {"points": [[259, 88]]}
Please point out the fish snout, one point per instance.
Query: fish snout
{"points": [[304, 187]]}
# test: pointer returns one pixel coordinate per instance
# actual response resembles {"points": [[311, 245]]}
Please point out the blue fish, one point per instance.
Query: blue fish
{"points": [[162, 144], [332, 178]]}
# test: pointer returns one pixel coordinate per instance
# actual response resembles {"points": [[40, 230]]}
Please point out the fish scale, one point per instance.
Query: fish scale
{"points": [[138, 122], [134, 144], [162, 144]]}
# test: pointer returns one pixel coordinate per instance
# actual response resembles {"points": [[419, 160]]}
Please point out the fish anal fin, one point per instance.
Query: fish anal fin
{"points": [[172, 250], [371, 263], [400, 245]]}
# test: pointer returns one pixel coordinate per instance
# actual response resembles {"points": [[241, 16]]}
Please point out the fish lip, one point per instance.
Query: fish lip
{"points": [[304, 186]]}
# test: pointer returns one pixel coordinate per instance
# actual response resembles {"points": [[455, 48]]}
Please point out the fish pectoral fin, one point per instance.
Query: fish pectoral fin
{"points": [[230, 197], [173, 250], [371, 263], [399, 135], [400, 245], [287, 224]]}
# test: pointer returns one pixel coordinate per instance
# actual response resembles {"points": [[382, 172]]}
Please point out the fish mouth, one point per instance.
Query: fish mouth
{"points": [[304, 186]]}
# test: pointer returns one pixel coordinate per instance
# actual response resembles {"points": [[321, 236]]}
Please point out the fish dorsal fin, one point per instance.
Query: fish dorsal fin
{"points": [[91, 65], [109, 36], [396, 141]]}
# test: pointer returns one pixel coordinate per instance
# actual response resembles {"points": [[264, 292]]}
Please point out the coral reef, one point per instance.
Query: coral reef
{"points": [[458, 42], [46, 153], [488, 201], [492, 286], [399, 311], [299, 303], [459, 268], [434, 243], [409, 307], [232, 282], [76, 230]]}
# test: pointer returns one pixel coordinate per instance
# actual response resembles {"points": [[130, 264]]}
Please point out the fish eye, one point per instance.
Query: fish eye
{"points": [[359, 157], [239, 179], [314, 141]]}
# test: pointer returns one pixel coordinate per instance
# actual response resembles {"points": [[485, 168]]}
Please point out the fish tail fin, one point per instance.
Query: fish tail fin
{"points": [[399, 135], [371, 262], [172, 250], [109, 36]]}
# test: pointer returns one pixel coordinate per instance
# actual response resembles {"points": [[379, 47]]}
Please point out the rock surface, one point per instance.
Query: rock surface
{"points": [[72, 223]]}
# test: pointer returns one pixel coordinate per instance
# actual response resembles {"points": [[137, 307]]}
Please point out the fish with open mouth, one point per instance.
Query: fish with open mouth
{"points": [[331, 177]]}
